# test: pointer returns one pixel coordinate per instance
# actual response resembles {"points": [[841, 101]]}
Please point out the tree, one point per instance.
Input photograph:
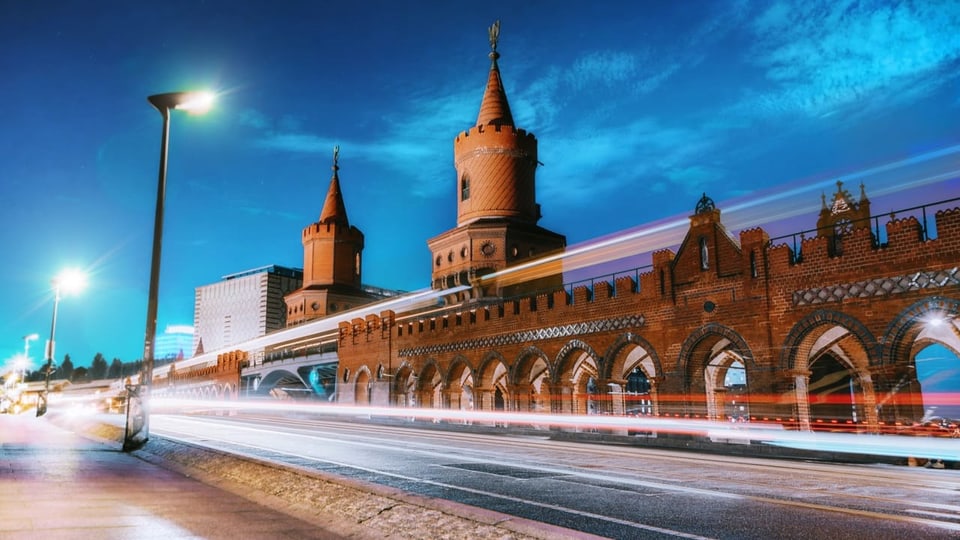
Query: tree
{"points": [[79, 374], [116, 369], [65, 370], [98, 369]]}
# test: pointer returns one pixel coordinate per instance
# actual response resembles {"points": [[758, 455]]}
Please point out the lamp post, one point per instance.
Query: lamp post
{"points": [[137, 430], [26, 353], [66, 281]]}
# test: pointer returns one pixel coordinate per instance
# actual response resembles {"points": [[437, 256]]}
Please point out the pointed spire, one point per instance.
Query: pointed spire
{"points": [[334, 211], [494, 109]]}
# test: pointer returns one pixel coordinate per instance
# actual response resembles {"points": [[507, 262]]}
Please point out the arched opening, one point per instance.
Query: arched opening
{"points": [[938, 375], [460, 387], [828, 357], [631, 373], [532, 382], [725, 380], [430, 387], [581, 378], [636, 397], [832, 393], [492, 385], [362, 388], [499, 403]]}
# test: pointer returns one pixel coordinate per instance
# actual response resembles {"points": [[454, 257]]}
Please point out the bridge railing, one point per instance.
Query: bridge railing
{"points": [[924, 213]]}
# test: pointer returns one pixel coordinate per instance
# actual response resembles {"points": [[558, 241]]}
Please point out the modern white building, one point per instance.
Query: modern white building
{"points": [[242, 306], [176, 340]]}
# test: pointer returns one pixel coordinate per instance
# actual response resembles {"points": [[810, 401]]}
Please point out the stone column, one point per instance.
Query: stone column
{"points": [[801, 379]]}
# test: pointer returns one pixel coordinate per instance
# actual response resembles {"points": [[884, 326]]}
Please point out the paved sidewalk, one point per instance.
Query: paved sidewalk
{"points": [[55, 484]]}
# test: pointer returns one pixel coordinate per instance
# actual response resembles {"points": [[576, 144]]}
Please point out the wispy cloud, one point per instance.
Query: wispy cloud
{"points": [[822, 58]]}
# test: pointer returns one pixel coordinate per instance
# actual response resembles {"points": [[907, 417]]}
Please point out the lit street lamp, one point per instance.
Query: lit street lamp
{"points": [[137, 430], [66, 281], [26, 353]]}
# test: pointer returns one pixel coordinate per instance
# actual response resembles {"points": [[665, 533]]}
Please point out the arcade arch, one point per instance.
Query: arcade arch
{"points": [[531, 381], [715, 361], [460, 385], [631, 372], [577, 376], [829, 355], [492, 384]]}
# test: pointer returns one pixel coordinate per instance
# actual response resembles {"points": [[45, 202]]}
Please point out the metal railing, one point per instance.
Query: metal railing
{"points": [[927, 227]]}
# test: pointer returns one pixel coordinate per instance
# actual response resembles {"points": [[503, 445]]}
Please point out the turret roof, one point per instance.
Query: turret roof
{"points": [[494, 109], [334, 211]]}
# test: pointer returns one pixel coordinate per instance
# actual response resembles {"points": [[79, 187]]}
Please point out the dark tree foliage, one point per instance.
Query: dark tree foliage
{"points": [[64, 370], [98, 369], [116, 369], [80, 375]]}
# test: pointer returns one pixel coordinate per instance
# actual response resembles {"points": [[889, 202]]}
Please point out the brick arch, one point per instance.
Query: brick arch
{"points": [[565, 351], [788, 352], [738, 344], [518, 364], [493, 357], [424, 368], [622, 341], [457, 361], [360, 370], [905, 328]]}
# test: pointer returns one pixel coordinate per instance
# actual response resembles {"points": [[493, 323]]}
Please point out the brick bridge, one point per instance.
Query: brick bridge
{"points": [[822, 333]]}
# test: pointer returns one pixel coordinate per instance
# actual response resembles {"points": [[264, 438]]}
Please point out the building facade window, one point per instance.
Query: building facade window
{"points": [[464, 187]]}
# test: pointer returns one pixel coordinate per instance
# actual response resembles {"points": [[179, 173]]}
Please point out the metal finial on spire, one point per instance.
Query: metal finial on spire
{"points": [[336, 157], [494, 32]]}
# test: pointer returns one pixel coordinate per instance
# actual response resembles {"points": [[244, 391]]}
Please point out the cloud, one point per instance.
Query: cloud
{"points": [[821, 58], [294, 142]]}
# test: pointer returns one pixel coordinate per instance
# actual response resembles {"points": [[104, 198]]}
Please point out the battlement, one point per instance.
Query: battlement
{"points": [[480, 137], [318, 229]]}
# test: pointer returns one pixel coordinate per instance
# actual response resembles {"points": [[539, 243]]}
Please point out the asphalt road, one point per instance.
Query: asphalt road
{"points": [[611, 491]]}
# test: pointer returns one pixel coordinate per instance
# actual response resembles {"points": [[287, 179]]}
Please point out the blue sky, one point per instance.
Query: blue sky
{"points": [[639, 108]]}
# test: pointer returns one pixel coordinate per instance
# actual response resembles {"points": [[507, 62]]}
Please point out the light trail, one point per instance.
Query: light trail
{"points": [[756, 209], [772, 434], [314, 330], [265, 438]]}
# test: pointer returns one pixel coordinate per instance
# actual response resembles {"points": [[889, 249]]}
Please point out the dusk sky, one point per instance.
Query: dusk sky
{"points": [[639, 108]]}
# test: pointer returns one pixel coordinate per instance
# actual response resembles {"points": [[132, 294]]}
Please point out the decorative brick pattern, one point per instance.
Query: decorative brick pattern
{"points": [[539, 334], [878, 287]]}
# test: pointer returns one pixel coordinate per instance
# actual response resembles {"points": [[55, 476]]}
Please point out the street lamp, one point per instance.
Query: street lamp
{"points": [[26, 353], [137, 429], [66, 281]]}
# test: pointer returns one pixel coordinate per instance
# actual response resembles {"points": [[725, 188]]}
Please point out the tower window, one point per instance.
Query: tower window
{"points": [[704, 255], [753, 264], [464, 187]]}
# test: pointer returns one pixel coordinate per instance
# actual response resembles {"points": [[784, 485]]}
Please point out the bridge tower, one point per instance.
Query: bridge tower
{"points": [[332, 251], [497, 211]]}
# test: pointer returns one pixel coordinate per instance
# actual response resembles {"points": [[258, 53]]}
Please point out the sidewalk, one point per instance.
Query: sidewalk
{"points": [[55, 484]]}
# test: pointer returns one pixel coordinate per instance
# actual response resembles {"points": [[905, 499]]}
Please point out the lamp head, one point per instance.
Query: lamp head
{"points": [[70, 280], [192, 102]]}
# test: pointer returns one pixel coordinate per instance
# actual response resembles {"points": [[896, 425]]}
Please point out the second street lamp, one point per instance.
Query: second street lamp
{"points": [[66, 281], [137, 430]]}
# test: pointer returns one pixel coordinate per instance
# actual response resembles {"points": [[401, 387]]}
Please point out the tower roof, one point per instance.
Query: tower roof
{"points": [[334, 211], [494, 109]]}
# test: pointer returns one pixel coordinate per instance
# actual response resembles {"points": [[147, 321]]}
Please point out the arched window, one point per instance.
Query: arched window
{"points": [[464, 187], [704, 255]]}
